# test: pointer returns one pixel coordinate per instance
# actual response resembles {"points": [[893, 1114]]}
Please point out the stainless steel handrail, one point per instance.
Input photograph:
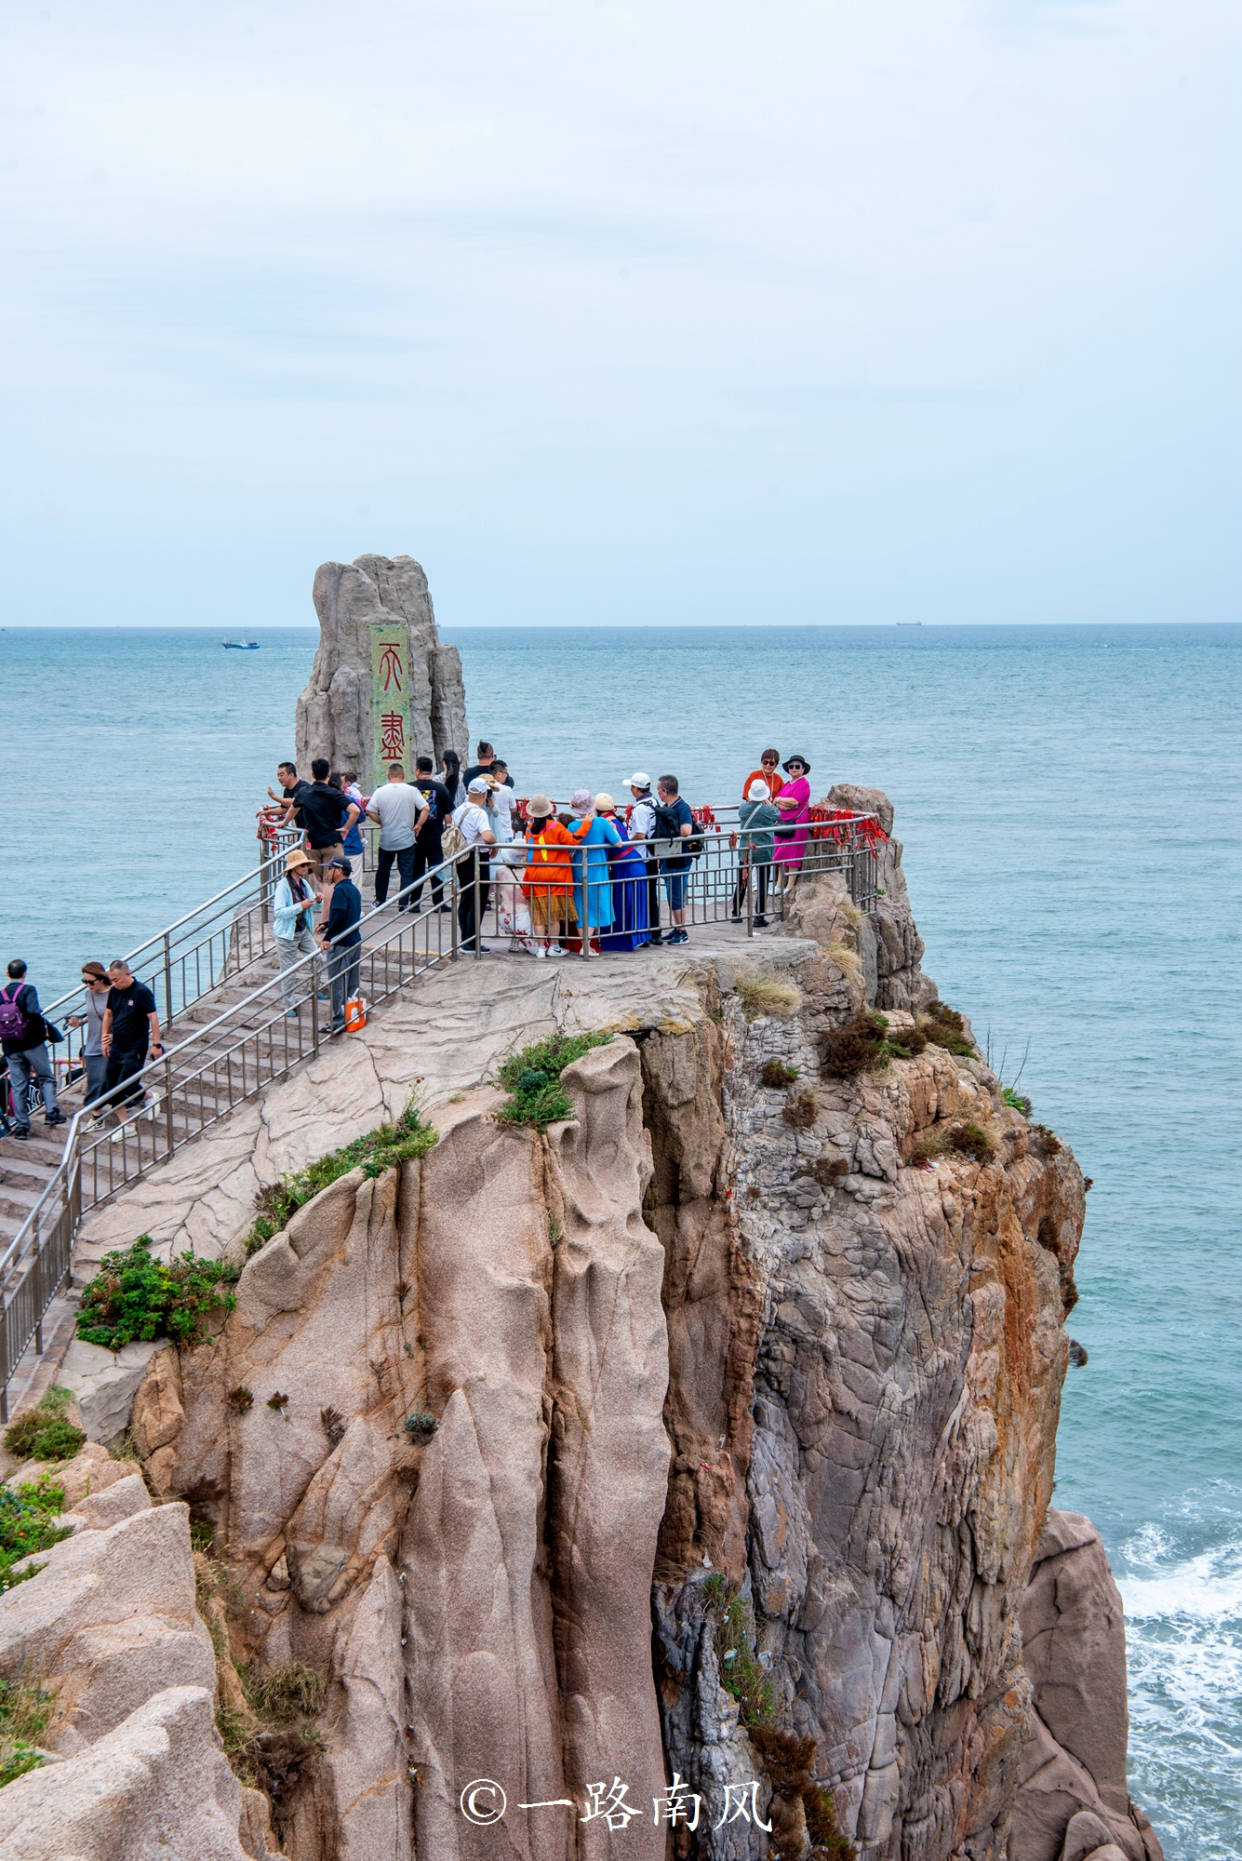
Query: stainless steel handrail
{"points": [[247, 1055]]}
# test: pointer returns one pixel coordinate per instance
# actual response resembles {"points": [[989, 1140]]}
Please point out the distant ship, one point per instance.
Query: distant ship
{"points": [[907, 623], [240, 646]]}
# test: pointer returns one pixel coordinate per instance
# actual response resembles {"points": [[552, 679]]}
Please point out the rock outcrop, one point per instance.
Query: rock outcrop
{"points": [[334, 715], [109, 1628], [708, 1435]]}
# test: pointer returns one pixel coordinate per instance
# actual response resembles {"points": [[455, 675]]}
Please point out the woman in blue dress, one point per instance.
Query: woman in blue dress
{"points": [[595, 834], [628, 871]]}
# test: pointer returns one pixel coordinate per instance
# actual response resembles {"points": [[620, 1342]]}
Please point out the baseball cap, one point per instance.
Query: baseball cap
{"points": [[638, 780]]}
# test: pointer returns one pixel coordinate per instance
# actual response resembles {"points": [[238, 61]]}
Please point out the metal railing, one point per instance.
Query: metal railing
{"points": [[283, 1022]]}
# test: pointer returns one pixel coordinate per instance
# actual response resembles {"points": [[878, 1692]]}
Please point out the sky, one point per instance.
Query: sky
{"points": [[623, 311]]}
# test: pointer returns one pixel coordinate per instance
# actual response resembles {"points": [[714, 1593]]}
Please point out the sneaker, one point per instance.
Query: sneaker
{"points": [[735, 917], [56, 1117], [291, 1014], [760, 923], [678, 936], [557, 949], [539, 952], [20, 1135]]}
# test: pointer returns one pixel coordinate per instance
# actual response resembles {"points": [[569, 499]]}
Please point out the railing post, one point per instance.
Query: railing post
{"points": [[453, 927], [477, 882], [168, 1105], [168, 1011], [752, 881], [314, 1001]]}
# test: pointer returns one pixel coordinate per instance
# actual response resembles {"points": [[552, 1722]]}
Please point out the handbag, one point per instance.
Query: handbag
{"points": [[452, 841]]}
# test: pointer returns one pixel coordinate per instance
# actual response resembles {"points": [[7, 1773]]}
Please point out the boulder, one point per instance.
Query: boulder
{"points": [[155, 1785], [105, 1384]]}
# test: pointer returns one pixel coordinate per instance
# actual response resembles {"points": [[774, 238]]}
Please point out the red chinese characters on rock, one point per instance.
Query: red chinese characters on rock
{"points": [[392, 736], [391, 668]]}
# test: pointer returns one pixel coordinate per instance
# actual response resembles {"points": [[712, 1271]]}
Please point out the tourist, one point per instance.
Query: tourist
{"points": [[328, 817], [757, 816], [131, 1033], [503, 797], [794, 804], [341, 937], [400, 808], [510, 900], [292, 910], [94, 1059], [23, 1037], [347, 784], [549, 877], [471, 822], [593, 835], [674, 823], [450, 778], [484, 764], [642, 832], [768, 773], [287, 776], [429, 835], [627, 872]]}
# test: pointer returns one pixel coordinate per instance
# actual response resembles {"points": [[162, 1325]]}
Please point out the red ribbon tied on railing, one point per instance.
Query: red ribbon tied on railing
{"points": [[828, 824]]}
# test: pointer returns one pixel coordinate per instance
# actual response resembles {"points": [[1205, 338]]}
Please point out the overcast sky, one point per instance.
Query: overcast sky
{"points": [[800, 311]]}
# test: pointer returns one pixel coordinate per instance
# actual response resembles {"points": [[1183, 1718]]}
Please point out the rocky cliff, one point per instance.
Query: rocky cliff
{"points": [[707, 1437]]}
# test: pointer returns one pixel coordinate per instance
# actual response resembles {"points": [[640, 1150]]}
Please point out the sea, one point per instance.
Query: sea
{"points": [[1068, 799]]}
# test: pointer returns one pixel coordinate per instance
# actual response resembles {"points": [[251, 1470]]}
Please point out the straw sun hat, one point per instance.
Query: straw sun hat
{"points": [[295, 859]]}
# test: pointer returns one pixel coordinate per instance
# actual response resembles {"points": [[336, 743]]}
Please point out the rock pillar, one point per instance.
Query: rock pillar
{"points": [[382, 688]]}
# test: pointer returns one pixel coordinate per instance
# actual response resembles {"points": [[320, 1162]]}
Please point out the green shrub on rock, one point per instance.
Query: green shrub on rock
{"points": [[135, 1297], [375, 1152], [27, 1525], [532, 1078], [43, 1433]]}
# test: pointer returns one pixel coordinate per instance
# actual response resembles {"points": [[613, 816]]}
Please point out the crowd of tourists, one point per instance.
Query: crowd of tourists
{"points": [[588, 877]]}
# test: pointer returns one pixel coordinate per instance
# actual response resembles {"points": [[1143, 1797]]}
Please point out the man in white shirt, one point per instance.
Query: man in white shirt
{"points": [[642, 826], [400, 810], [474, 866], [503, 797]]}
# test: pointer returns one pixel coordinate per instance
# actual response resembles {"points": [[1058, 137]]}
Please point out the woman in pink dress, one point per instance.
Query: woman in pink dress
{"points": [[794, 802]]}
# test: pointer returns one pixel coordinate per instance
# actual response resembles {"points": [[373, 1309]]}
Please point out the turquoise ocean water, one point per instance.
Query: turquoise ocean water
{"points": [[1069, 802]]}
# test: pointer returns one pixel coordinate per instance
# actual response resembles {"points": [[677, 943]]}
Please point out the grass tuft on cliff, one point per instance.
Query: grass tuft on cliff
{"points": [[25, 1711], [945, 1027], [136, 1297], [376, 1151], [43, 1433], [28, 1525], [741, 1673], [865, 1044], [768, 994], [532, 1078], [787, 1761]]}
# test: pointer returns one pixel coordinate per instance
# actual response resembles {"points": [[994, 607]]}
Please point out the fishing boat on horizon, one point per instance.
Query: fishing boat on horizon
{"points": [[240, 646]]}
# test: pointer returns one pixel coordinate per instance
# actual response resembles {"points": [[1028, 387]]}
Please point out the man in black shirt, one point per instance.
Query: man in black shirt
{"points": [[428, 850], [327, 815], [341, 937], [131, 1028], [485, 757]]}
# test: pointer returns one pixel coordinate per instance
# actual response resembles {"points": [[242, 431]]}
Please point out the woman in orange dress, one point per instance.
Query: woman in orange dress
{"points": [[549, 877]]}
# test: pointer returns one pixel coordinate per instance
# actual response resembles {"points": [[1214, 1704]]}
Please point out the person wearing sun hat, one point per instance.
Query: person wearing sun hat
{"points": [[642, 826], [757, 816], [594, 834], [293, 903], [794, 803], [627, 873], [549, 877]]}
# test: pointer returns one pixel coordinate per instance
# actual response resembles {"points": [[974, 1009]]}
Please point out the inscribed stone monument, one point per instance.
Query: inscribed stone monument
{"points": [[382, 688]]}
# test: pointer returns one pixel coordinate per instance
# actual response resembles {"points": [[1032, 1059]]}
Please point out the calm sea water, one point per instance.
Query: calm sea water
{"points": [[1069, 803]]}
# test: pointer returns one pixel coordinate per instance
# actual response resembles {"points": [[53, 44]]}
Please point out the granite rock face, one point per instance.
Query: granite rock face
{"points": [[1075, 1655], [731, 1422], [334, 712], [108, 1625]]}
